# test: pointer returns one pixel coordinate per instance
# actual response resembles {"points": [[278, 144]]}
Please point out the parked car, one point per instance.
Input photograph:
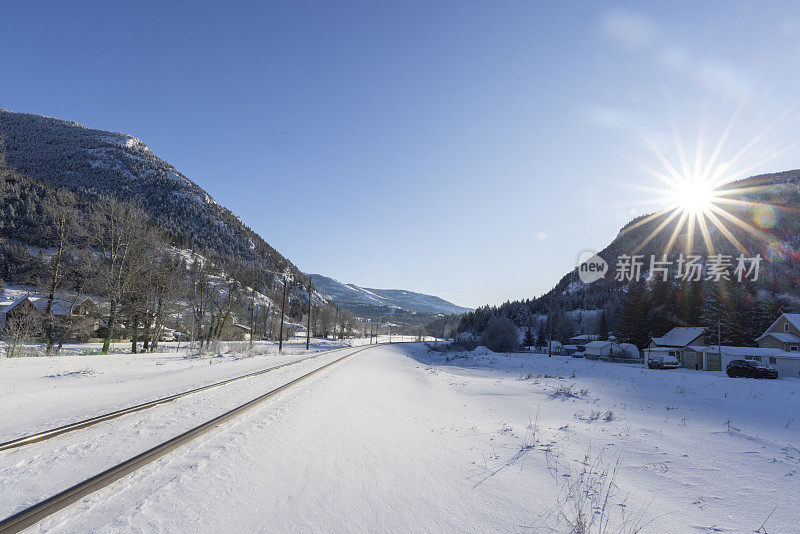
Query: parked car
{"points": [[578, 354], [750, 369], [663, 361]]}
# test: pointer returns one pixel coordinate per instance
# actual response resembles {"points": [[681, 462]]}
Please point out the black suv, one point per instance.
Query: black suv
{"points": [[750, 369]]}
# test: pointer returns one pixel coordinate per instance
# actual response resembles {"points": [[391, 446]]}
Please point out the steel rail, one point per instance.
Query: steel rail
{"points": [[35, 513], [53, 432]]}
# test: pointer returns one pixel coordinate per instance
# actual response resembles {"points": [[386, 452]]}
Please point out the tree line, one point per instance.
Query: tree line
{"points": [[67, 248]]}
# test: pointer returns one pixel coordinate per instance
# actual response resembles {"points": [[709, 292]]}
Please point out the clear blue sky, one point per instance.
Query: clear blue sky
{"points": [[468, 149]]}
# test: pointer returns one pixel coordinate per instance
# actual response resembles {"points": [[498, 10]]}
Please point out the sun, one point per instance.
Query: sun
{"points": [[698, 193], [693, 196]]}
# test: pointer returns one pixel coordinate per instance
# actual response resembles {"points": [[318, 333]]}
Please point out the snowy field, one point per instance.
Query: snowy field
{"points": [[401, 439]]}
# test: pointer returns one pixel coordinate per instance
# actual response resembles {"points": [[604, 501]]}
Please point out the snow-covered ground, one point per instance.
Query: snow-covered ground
{"points": [[402, 439], [52, 391]]}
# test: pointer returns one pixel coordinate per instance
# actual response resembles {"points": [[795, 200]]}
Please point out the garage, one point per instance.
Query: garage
{"points": [[788, 366], [713, 362], [691, 360]]}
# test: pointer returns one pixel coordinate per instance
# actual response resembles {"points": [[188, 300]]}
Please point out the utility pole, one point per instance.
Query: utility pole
{"points": [[308, 333], [550, 327], [283, 314], [719, 338], [252, 319], [390, 332]]}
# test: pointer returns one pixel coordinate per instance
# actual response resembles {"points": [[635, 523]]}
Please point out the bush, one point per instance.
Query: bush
{"points": [[500, 335]]}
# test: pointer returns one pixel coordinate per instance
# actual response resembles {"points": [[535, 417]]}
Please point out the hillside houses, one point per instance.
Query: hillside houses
{"points": [[777, 347], [73, 321]]}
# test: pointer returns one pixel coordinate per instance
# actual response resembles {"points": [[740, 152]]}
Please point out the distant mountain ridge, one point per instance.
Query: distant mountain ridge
{"points": [[351, 296], [762, 214], [96, 164]]}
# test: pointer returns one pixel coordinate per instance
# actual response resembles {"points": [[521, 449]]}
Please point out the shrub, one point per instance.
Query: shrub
{"points": [[500, 335]]}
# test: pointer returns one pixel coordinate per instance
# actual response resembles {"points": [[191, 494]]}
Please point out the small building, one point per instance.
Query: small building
{"points": [[786, 363], [629, 351], [613, 351], [235, 332], [569, 350], [783, 334], [683, 342], [168, 334], [596, 350], [581, 340], [715, 358], [651, 351], [18, 314], [556, 347]]}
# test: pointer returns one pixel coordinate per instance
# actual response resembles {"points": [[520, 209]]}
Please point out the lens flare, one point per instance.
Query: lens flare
{"points": [[698, 196], [765, 217]]}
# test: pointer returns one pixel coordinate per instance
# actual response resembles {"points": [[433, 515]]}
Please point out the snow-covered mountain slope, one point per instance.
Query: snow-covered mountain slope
{"points": [[348, 295], [94, 163]]}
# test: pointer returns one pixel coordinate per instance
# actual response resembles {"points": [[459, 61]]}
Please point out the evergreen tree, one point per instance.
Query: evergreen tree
{"points": [[541, 340], [528, 341], [603, 328], [633, 326]]}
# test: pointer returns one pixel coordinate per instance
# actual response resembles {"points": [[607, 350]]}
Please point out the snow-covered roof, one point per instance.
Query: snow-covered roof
{"points": [[597, 344], [783, 337], [680, 336], [60, 306], [15, 302], [629, 349], [659, 349], [750, 351], [555, 343], [584, 337], [793, 318], [571, 347]]}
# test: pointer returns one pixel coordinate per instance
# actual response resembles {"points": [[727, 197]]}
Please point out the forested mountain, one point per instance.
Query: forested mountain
{"points": [[760, 218], [94, 163], [87, 212], [352, 296]]}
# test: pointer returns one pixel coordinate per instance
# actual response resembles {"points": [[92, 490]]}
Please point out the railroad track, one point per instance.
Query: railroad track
{"points": [[35, 513], [53, 432]]}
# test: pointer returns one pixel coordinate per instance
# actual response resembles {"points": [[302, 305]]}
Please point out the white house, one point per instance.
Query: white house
{"points": [[598, 349], [612, 350], [683, 342]]}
